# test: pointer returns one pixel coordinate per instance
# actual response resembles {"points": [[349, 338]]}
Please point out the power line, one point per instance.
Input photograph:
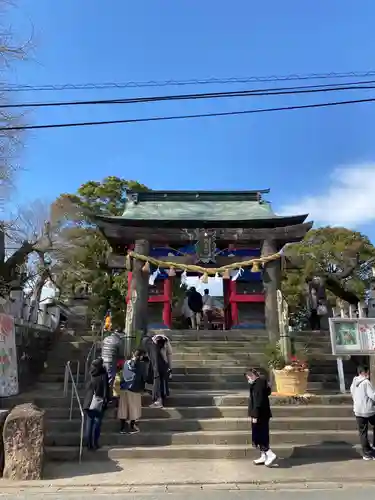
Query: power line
{"points": [[179, 83], [213, 95], [184, 117]]}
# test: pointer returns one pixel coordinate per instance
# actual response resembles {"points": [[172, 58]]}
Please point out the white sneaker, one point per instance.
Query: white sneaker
{"points": [[270, 458], [261, 460], [368, 457], [156, 404]]}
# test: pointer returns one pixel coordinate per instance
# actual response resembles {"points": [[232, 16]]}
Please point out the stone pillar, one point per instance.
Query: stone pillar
{"points": [[271, 283], [137, 307], [24, 443]]}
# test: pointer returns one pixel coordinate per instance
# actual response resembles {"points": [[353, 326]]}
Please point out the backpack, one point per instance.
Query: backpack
{"points": [[128, 376]]}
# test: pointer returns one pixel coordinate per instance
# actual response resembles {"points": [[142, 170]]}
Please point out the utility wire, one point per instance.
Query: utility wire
{"points": [[214, 95], [179, 83], [185, 117]]}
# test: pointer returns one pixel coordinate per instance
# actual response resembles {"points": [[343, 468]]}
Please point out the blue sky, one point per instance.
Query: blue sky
{"points": [[322, 161]]}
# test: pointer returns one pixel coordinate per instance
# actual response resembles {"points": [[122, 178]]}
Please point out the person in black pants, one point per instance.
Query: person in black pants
{"points": [[260, 413], [95, 402], [363, 395], [162, 372]]}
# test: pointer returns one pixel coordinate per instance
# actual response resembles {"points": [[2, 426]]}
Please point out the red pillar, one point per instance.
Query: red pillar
{"points": [[233, 303], [167, 309]]}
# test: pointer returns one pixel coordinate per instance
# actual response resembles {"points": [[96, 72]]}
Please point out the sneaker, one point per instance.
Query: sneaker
{"points": [[156, 404], [134, 430], [270, 458], [261, 460], [123, 431], [368, 457]]}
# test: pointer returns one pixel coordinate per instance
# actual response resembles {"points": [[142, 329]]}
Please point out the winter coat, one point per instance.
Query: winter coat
{"points": [[98, 385], [112, 348], [138, 370], [259, 403], [166, 351], [195, 302], [363, 395]]}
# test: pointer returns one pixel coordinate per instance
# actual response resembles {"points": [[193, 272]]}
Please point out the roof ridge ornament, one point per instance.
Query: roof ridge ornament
{"points": [[133, 197]]}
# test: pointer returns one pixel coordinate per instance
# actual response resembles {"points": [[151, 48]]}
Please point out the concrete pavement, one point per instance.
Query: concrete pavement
{"points": [[175, 475], [360, 493]]}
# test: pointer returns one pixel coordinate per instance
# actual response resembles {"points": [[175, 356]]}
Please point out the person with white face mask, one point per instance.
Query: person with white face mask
{"points": [[260, 413]]}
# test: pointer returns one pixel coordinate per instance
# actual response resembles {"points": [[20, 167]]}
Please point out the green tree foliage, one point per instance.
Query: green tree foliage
{"points": [[334, 252], [81, 256]]}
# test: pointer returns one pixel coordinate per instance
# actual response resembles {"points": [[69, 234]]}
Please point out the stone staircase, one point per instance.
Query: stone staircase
{"points": [[206, 415]]}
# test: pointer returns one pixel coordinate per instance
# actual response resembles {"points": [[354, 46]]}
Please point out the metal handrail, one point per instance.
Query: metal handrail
{"points": [[69, 375], [90, 356], [92, 352]]}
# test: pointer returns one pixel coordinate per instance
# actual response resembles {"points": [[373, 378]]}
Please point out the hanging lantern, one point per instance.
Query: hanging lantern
{"points": [[171, 272], [146, 268], [226, 275]]}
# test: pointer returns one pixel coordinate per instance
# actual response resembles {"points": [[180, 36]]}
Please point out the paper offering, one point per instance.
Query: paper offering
{"points": [[367, 332]]}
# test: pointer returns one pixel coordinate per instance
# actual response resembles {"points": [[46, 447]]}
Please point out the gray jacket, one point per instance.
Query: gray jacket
{"points": [[112, 348], [363, 395]]}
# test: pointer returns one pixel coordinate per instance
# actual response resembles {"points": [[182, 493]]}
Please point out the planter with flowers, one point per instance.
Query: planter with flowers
{"points": [[291, 375]]}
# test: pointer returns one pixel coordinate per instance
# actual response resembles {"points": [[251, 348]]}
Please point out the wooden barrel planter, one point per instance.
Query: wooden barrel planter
{"points": [[291, 382]]}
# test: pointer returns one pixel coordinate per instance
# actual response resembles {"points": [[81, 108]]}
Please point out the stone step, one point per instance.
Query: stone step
{"points": [[218, 348], [54, 375], [254, 352], [61, 356], [203, 377], [239, 334], [220, 438], [53, 399], [211, 412], [236, 335], [317, 383], [326, 452], [251, 344], [171, 425]]}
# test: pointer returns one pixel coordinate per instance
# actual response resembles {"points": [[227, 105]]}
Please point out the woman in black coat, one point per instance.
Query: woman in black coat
{"points": [[260, 414], [95, 402]]}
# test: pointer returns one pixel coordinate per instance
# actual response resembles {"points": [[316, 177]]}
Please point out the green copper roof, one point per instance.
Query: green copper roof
{"points": [[197, 205]]}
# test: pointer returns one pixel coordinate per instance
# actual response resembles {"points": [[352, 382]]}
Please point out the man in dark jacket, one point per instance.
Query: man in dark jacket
{"points": [[260, 414], [195, 303], [95, 402]]}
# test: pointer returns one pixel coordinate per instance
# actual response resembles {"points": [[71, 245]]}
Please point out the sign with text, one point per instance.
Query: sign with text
{"points": [[352, 336], [8, 357]]}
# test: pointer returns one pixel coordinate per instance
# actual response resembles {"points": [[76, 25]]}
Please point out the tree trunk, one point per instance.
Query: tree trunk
{"points": [[271, 283], [37, 292]]}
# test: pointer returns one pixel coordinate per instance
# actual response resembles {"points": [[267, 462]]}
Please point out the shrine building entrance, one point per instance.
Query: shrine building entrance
{"points": [[164, 237]]}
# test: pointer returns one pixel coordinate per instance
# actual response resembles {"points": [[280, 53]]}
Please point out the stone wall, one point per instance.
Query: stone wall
{"points": [[33, 342]]}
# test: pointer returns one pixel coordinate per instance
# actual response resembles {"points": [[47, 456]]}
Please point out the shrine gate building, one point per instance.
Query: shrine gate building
{"points": [[211, 229]]}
